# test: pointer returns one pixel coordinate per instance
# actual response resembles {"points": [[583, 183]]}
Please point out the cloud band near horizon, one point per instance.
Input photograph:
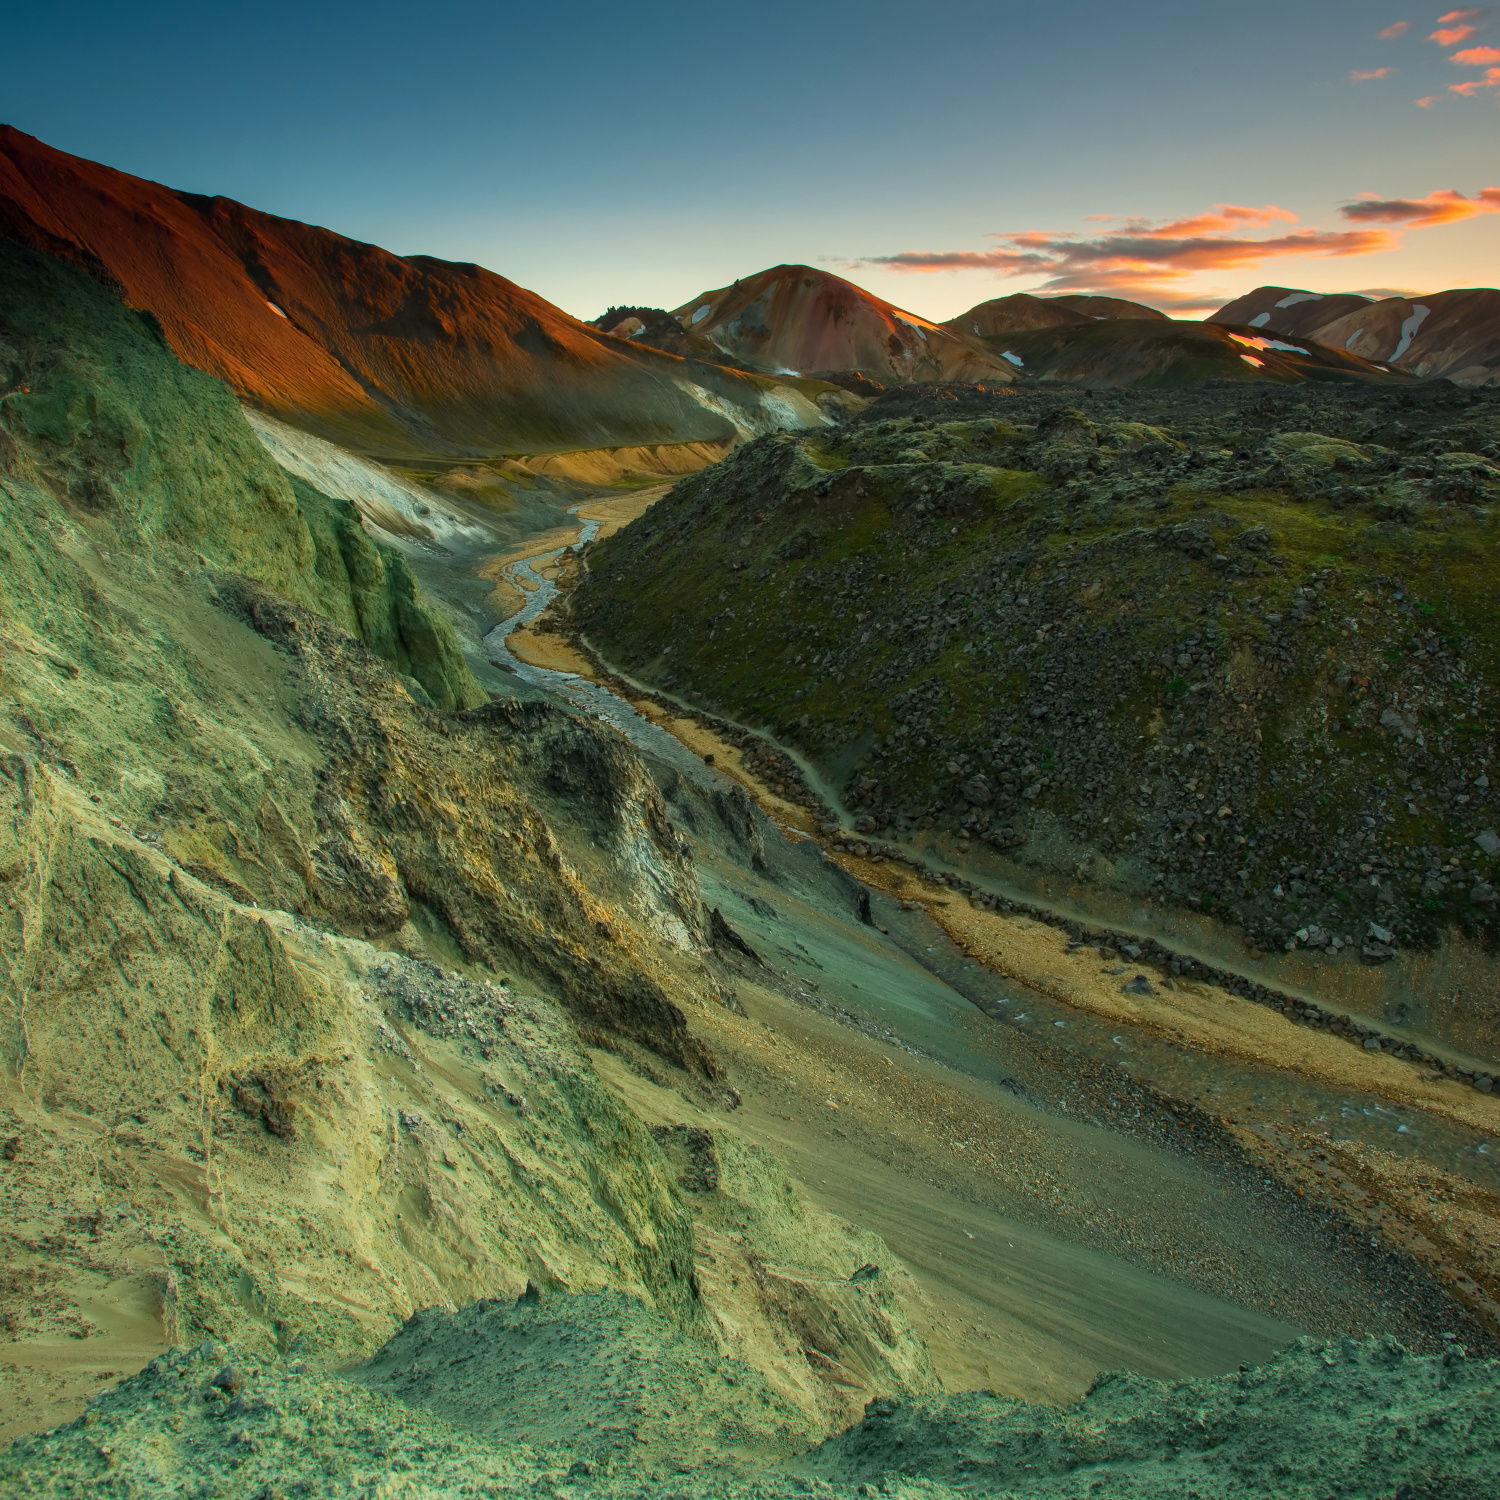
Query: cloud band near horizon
{"points": [[1154, 260]]}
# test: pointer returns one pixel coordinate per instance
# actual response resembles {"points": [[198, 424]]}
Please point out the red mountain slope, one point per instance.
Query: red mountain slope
{"points": [[796, 319], [398, 356], [1450, 335]]}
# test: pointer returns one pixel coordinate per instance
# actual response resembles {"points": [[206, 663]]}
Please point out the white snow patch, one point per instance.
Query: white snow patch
{"points": [[1349, 342], [921, 334], [702, 312], [276, 310], [1297, 297], [1409, 330], [1260, 320], [1250, 359], [1239, 338], [1015, 359]]}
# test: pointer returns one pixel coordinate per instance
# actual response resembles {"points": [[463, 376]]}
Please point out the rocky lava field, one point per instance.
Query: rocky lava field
{"points": [[1222, 650]]}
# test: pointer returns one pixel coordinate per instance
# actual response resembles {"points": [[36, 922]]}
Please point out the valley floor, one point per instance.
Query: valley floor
{"points": [[1284, 1180]]}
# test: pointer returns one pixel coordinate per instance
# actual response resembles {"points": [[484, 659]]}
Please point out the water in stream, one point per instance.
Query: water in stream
{"points": [[578, 692], [1263, 1095]]}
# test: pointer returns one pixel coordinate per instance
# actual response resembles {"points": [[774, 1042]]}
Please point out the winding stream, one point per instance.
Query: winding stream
{"points": [[578, 692], [1254, 1093]]}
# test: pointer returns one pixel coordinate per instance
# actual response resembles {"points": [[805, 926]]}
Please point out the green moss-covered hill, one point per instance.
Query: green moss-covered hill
{"points": [[1234, 649], [157, 458]]}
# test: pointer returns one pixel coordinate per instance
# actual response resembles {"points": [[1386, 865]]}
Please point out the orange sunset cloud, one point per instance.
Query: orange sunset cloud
{"points": [[1150, 260], [1446, 206], [1455, 27], [1491, 80], [1398, 28], [1358, 76]]}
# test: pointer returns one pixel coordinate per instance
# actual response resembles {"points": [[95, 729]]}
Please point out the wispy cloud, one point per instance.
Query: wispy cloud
{"points": [[1446, 206], [1476, 57], [1391, 32], [1427, 102], [1472, 86], [1358, 75], [1457, 26], [1154, 261]]}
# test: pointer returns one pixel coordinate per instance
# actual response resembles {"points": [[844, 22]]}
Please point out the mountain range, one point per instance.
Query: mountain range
{"points": [[412, 358], [1453, 335], [437, 1063], [398, 356]]}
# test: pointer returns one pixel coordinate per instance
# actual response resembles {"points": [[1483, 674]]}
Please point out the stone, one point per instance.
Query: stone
{"points": [[1391, 719], [1489, 841], [1140, 985], [1380, 934], [977, 790], [1484, 1083], [1482, 893]]}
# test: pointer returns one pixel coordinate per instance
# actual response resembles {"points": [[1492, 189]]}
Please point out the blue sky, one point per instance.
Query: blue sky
{"points": [[603, 155]]}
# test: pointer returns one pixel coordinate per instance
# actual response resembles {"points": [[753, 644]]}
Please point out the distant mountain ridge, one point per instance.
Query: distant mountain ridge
{"points": [[1022, 311], [393, 355], [1452, 335], [1156, 353]]}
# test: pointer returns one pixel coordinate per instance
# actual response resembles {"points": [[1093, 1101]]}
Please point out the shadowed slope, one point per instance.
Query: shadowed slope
{"points": [[1283, 309], [1022, 311], [1452, 335], [1137, 352], [793, 318], [395, 356], [1099, 308]]}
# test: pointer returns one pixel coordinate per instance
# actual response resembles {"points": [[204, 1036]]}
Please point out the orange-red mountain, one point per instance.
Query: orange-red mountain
{"points": [[394, 355]]}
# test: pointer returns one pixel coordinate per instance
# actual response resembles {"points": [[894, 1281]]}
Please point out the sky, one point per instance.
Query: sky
{"points": [[938, 154]]}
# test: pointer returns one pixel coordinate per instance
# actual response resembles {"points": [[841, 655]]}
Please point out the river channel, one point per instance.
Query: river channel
{"points": [[1269, 1098]]}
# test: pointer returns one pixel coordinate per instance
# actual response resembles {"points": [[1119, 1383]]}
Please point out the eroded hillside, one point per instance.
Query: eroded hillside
{"points": [[305, 934], [1227, 653]]}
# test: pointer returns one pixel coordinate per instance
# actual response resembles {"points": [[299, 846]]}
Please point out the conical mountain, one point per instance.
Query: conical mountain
{"points": [[1022, 310], [797, 320], [1101, 308]]}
